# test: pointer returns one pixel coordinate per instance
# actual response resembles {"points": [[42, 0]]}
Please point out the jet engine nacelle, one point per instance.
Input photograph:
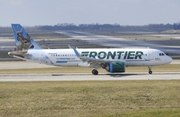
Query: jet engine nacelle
{"points": [[115, 67]]}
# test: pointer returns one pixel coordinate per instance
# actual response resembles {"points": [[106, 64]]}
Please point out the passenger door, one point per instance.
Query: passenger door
{"points": [[151, 55]]}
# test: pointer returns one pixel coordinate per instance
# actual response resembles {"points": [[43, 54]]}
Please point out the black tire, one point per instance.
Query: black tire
{"points": [[150, 72], [94, 72]]}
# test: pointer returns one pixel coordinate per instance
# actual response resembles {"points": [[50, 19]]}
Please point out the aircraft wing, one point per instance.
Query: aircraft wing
{"points": [[91, 61]]}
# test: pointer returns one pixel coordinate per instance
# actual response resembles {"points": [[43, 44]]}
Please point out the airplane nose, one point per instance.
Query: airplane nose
{"points": [[169, 59]]}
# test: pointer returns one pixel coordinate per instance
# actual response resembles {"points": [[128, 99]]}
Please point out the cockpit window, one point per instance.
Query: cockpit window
{"points": [[161, 54]]}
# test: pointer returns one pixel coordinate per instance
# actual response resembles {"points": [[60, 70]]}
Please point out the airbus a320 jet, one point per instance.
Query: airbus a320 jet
{"points": [[112, 60]]}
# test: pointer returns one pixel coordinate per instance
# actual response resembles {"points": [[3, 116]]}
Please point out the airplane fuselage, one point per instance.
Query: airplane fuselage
{"points": [[131, 57]]}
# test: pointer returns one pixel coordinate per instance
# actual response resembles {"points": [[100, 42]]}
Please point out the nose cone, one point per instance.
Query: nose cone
{"points": [[169, 59]]}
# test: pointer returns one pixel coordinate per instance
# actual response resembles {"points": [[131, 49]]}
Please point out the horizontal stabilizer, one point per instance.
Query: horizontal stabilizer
{"points": [[18, 54]]}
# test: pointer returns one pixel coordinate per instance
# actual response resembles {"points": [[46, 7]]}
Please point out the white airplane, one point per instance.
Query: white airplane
{"points": [[113, 60]]}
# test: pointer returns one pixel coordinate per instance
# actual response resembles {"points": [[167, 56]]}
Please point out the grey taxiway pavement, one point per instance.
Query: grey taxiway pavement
{"points": [[89, 77], [78, 76]]}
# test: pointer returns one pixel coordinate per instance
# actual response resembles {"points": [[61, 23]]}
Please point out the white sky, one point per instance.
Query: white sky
{"points": [[123, 12]]}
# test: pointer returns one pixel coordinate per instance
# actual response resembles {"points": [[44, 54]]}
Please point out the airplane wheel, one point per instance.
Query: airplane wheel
{"points": [[150, 72], [94, 72]]}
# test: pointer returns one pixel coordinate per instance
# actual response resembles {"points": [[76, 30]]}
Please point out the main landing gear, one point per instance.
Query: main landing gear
{"points": [[94, 72], [150, 71]]}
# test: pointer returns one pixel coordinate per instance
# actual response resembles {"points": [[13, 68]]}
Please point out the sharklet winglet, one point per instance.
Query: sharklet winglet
{"points": [[75, 51]]}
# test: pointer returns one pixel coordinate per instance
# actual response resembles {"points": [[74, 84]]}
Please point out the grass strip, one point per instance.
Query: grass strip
{"points": [[90, 99]]}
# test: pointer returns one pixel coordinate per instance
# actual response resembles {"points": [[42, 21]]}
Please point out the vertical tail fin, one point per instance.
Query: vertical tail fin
{"points": [[22, 39]]}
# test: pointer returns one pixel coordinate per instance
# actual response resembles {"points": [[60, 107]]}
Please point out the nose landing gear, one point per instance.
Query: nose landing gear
{"points": [[150, 71]]}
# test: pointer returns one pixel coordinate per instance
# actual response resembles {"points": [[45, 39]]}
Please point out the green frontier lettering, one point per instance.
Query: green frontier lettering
{"points": [[125, 55], [93, 54], [120, 54], [102, 55], [112, 55], [84, 53], [139, 55], [131, 55]]}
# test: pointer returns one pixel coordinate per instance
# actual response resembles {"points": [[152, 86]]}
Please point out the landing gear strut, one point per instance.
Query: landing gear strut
{"points": [[94, 72], [150, 71]]}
